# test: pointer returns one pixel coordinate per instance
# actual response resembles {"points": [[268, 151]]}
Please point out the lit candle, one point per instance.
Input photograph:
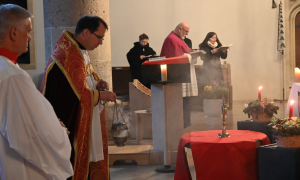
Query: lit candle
{"points": [[163, 69], [297, 74], [291, 109], [259, 93]]}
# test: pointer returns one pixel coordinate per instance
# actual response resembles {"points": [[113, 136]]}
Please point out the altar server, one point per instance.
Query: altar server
{"points": [[33, 144]]}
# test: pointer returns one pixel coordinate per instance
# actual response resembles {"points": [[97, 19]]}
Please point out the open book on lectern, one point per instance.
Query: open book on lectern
{"points": [[157, 58], [225, 47]]}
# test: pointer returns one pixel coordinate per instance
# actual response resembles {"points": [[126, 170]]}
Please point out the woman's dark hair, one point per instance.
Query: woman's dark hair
{"points": [[208, 36], [143, 36], [89, 22]]}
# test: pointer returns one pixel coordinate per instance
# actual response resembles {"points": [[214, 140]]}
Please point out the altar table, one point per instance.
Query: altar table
{"points": [[215, 158]]}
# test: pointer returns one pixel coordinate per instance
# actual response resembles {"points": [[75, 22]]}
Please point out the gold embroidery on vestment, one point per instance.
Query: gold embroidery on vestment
{"points": [[46, 78], [89, 69]]}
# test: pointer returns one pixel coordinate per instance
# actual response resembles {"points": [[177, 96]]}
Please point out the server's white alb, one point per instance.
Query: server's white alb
{"points": [[33, 145]]}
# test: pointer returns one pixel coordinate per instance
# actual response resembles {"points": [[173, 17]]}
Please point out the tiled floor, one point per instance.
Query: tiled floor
{"points": [[131, 171]]}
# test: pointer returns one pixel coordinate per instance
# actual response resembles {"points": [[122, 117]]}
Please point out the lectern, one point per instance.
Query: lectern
{"points": [[167, 103]]}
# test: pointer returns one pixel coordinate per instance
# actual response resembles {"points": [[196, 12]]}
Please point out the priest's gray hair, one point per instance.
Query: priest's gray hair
{"points": [[12, 15]]}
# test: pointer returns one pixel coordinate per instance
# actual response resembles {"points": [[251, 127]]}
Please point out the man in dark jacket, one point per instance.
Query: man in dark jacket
{"points": [[139, 54]]}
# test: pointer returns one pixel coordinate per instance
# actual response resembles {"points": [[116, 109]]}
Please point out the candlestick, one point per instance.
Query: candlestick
{"points": [[291, 109], [163, 69], [259, 93], [297, 74], [224, 112]]}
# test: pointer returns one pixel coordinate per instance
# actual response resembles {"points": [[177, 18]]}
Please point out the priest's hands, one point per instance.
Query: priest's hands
{"points": [[63, 125], [142, 57], [107, 96], [101, 85]]}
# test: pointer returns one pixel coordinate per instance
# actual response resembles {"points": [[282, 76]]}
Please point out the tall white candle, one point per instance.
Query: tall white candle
{"points": [[297, 74], [163, 69]]}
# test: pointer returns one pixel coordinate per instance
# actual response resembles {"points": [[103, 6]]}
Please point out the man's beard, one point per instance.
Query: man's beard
{"points": [[182, 35]]}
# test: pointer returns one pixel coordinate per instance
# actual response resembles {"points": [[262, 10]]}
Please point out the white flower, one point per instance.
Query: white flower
{"points": [[290, 124]]}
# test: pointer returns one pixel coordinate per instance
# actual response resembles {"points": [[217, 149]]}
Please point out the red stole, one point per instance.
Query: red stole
{"points": [[174, 46], [69, 59]]}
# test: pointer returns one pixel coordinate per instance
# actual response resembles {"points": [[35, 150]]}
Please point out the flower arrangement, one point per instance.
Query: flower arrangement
{"points": [[257, 107], [215, 92], [284, 127]]}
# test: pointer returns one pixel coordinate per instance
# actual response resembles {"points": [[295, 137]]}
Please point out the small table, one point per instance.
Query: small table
{"points": [[139, 124], [234, 157]]}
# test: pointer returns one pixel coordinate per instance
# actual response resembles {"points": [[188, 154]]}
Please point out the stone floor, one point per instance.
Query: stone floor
{"points": [[128, 170]]}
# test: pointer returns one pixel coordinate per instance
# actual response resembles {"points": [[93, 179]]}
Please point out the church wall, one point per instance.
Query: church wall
{"points": [[39, 41], [250, 25]]}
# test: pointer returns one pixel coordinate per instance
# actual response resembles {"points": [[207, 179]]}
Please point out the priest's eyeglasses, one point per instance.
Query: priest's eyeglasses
{"points": [[185, 30], [100, 38]]}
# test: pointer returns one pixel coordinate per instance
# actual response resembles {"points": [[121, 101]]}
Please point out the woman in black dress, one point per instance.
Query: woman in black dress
{"points": [[212, 71]]}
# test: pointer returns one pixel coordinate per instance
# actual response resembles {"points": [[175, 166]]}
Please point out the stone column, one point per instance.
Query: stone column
{"points": [[60, 15]]}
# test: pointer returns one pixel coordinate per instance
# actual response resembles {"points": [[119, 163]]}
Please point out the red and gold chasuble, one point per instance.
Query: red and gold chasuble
{"points": [[68, 57]]}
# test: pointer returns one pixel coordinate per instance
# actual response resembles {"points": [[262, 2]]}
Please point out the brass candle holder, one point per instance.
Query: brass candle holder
{"points": [[224, 112]]}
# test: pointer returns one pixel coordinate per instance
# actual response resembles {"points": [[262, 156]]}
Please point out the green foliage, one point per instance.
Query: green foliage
{"points": [[215, 92], [260, 107], [284, 127]]}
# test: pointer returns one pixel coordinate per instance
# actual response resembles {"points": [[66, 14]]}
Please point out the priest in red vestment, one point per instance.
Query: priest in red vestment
{"points": [[174, 45], [73, 88]]}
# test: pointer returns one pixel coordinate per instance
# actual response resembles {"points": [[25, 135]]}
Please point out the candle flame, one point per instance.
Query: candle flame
{"points": [[297, 74], [292, 102], [260, 88], [163, 66]]}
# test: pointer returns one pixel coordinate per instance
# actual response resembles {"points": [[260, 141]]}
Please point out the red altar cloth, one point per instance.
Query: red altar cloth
{"points": [[220, 158]]}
